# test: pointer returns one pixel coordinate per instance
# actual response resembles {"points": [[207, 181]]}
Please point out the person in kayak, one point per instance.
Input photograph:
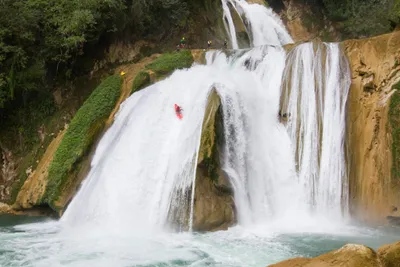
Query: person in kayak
{"points": [[178, 109]]}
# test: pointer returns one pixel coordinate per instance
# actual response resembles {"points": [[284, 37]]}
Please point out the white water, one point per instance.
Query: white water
{"points": [[285, 187], [315, 97], [144, 163], [144, 167], [262, 24]]}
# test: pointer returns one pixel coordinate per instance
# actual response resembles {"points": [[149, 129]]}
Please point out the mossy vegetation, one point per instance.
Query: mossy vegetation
{"points": [[162, 66], [394, 119], [141, 80], [212, 138], [83, 129], [169, 62], [213, 163]]}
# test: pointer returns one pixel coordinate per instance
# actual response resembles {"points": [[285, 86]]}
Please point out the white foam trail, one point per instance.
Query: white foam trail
{"points": [[262, 24], [318, 81]]}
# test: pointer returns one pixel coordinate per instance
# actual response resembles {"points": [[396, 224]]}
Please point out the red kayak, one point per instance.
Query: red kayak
{"points": [[178, 111]]}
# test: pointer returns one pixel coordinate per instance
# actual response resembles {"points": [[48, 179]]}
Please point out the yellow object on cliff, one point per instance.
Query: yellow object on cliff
{"points": [[122, 73]]}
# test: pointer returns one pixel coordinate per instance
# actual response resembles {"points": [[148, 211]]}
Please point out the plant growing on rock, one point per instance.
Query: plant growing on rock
{"points": [[81, 133]]}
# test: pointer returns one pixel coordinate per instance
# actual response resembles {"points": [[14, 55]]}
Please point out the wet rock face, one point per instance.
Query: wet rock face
{"points": [[213, 204], [350, 255], [213, 207], [374, 187]]}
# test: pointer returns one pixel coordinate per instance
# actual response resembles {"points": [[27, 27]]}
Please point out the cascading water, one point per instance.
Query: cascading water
{"points": [[314, 100], [284, 124], [262, 24], [257, 155], [146, 161]]}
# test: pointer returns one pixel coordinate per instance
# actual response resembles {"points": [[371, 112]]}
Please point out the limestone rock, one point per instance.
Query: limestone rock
{"points": [[35, 185], [348, 256], [304, 23], [368, 83], [260, 2], [373, 192], [389, 255], [213, 204]]}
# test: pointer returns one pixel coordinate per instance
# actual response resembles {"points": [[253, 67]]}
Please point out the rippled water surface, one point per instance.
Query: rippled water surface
{"points": [[38, 242]]}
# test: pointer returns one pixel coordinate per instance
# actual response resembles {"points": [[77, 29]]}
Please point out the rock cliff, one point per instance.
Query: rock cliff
{"points": [[374, 181]]}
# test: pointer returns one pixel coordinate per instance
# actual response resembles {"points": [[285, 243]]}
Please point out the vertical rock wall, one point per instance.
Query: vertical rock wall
{"points": [[374, 189]]}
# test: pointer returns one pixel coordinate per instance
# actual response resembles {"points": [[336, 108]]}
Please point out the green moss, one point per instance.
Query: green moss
{"points": [[394, 119], [169, 62], [141, 80], [80, 135], [212, 162]]}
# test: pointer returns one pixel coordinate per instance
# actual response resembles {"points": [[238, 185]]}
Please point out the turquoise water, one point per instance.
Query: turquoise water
{"points": [[41, 242]]}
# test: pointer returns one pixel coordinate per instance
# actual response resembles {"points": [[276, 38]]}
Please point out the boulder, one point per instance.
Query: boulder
{"points": [[389, 255], [348, 256]]}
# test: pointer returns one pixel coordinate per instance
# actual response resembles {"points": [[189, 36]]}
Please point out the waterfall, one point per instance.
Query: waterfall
{"points": [[317, 81], [262, 24], [284, 127]]}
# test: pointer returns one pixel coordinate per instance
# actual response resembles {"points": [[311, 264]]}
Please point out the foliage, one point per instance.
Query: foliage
{"points": [[148, 15], [80, 134], [141, 80], [43, 41], [363, 18], [39, 38], [394, 119], [169, 62], [163, 65]]}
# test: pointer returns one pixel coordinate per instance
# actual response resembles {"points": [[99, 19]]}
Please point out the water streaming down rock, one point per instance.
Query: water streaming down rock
{"points": [[317, 81], [145, 162], [143, 171], [263, 26]]}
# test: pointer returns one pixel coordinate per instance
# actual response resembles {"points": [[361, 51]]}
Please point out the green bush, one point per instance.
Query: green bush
{"points": [[141, 81], [394, 119], [80, 135], [169, 62]]}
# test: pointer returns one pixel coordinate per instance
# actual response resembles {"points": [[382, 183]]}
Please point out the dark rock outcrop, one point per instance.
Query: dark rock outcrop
{"points": [[213, 203]]}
